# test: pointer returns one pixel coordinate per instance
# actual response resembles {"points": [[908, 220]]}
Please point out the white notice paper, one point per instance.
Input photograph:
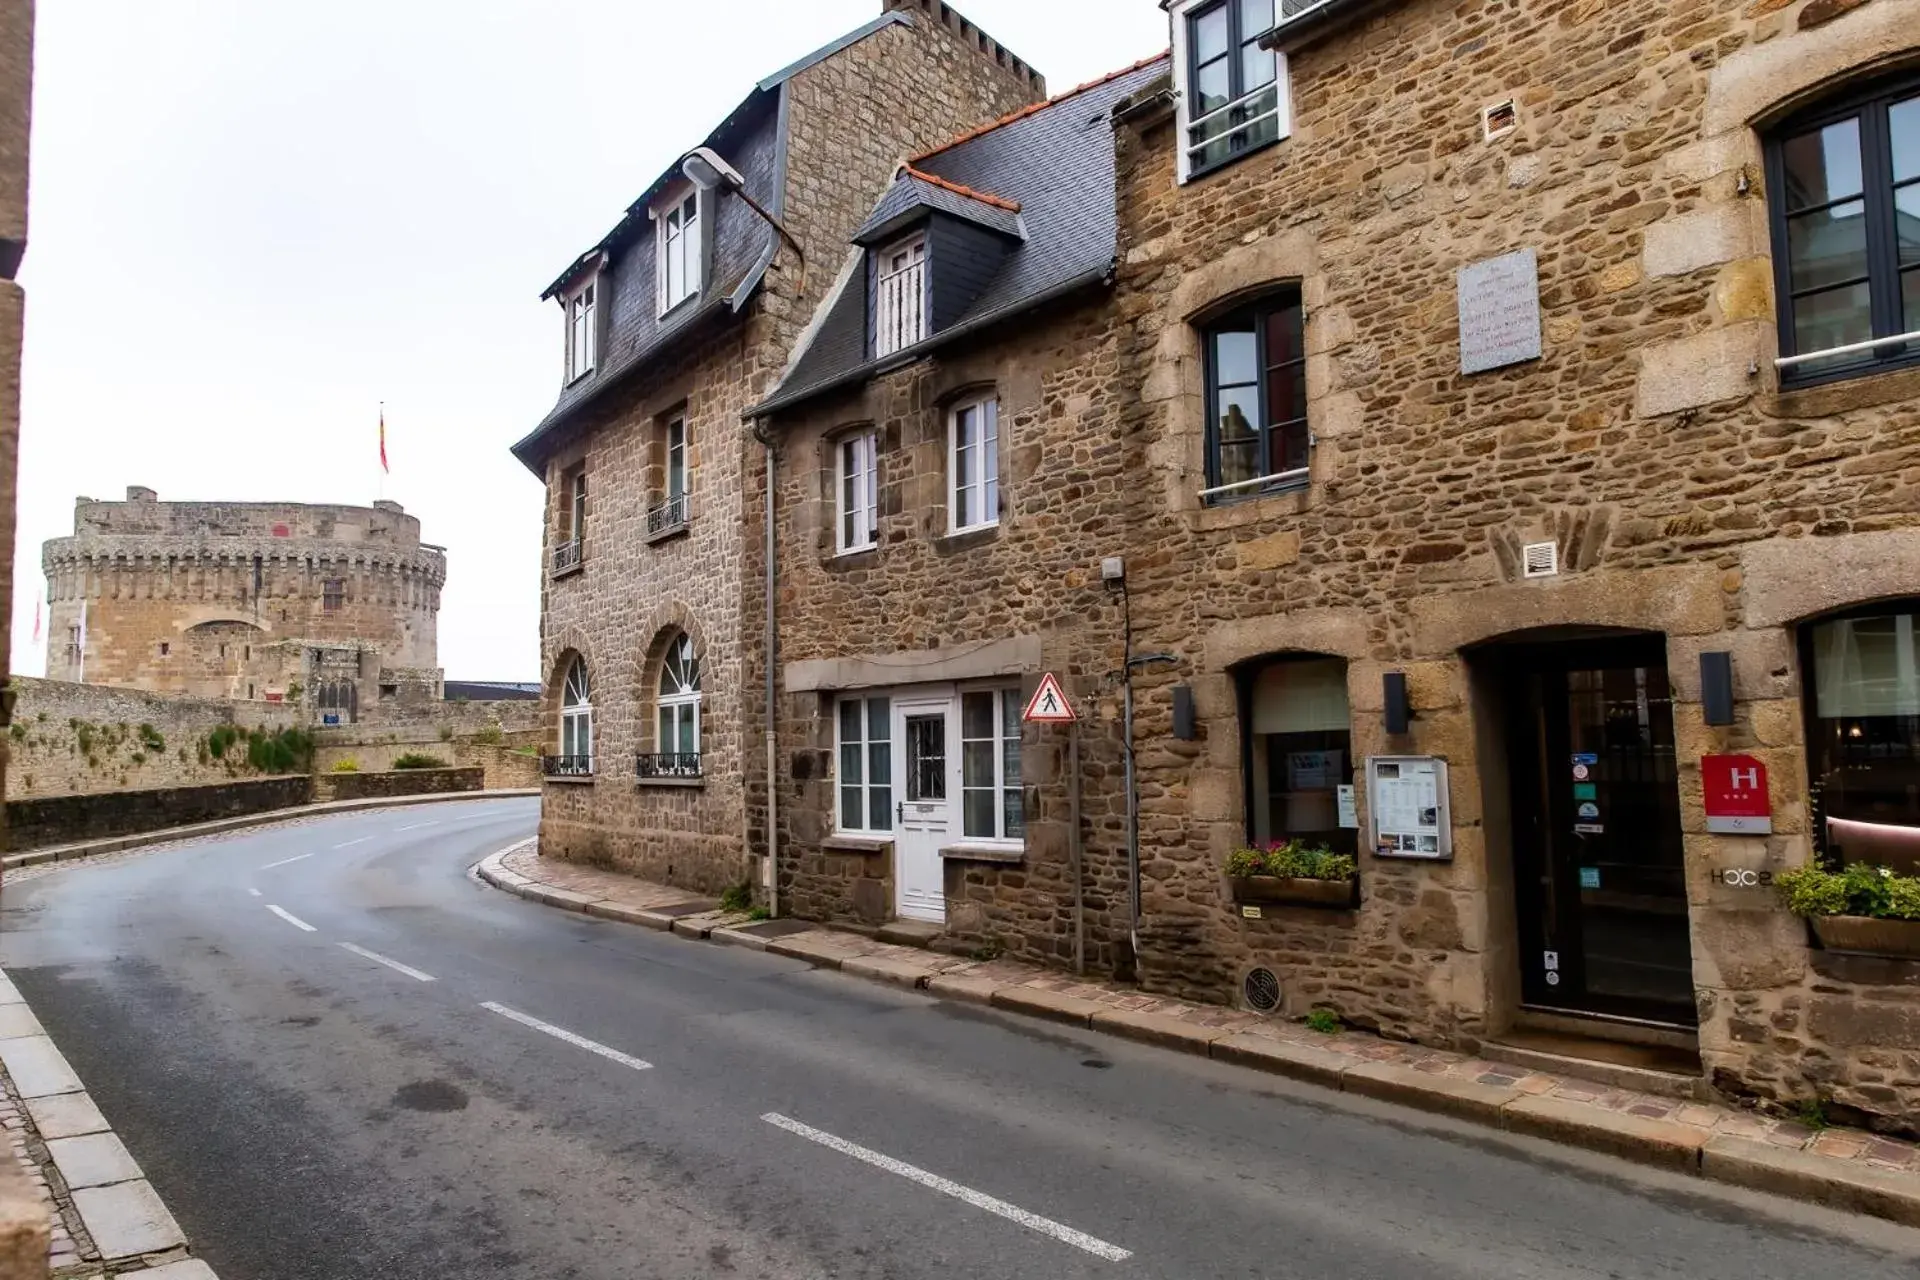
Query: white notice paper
{"points": [[1407, 798]]}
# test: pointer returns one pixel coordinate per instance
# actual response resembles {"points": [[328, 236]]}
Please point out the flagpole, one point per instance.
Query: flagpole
{"points": [[383, 451]]}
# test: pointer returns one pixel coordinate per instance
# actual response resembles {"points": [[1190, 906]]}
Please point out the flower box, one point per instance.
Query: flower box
{"points": [[1281, 891], [1867, 936]]}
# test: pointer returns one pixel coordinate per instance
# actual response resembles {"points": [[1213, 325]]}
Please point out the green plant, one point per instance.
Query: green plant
{"points": [[287, 751], [738, 897], [349, 765], [489, 735], [1247, 862], [759, 913], [19, 732], [220, 738], [1325, 1021], [417, 760], [1812, 1112], [138, 757], [1291, 860], [1859, 889], [151, 739]]}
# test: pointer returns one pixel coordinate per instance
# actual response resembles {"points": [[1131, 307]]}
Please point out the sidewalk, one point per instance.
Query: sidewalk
{"points": [[1840, 1168]]}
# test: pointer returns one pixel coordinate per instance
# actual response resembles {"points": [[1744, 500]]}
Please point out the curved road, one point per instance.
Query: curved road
{"points": [[404, 1073]]}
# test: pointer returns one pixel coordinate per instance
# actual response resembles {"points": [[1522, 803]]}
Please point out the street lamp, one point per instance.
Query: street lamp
{"points": [[705, 169]]}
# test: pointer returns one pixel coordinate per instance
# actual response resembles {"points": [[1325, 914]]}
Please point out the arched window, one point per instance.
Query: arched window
{"points": [[576, 721], [1257, 437], [680, 703]]}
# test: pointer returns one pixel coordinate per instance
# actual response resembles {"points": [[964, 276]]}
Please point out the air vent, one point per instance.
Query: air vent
{"points": [[1261, 989], [1500, 119], [1542, 559]]}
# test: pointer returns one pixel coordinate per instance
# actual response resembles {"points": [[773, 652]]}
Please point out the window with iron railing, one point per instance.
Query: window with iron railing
{"points": [[1232, 99], [567, 766], [673, 764], [900, 299], [566, 557], [671, 512]]}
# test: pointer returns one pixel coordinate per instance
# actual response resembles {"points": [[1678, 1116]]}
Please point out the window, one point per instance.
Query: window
{"points": [[680, 700], [577, 507], [333, 595], [568, 550], [1863, 734], [858, 489], [992, 806], [576, 722], [973, 465], [900, 299], [679, 268], [1846, 230], [1299, 752], [671, 512], [580, 331], [1231, 103], [1257, 437], [866, 764], [165, 648]]}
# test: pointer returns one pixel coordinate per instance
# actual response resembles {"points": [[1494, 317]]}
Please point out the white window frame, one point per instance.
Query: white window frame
{"points": [[683, 705], [900, 303], [677, 480], [678, 230], [576, 714], [1182, 71], [1007, 726], [856, 488], [974, 469], [582, 308], [862, 824], [577, 507]]}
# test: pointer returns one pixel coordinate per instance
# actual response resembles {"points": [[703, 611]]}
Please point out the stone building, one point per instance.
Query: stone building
{"points": [[263, 601], [1516, 400], [677, 321]]}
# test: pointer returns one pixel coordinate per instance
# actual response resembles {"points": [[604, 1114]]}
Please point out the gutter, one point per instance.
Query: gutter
{"points": [[919, 351]]}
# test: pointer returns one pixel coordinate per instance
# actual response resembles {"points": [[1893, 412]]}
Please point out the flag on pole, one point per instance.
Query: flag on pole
{"points": [[36, 619], [383, 440]]}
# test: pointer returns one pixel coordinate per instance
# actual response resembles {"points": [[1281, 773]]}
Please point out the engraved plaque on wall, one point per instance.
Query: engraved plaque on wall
{"points": [[1499, 312]]}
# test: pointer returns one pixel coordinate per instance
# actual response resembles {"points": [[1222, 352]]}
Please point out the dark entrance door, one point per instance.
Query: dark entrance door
{"points": [[1598, 864]]}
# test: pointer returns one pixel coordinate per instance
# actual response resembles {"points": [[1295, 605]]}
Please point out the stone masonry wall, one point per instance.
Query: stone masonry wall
{"points": [[78, 739], [1687, 493], [852, 116], [57, 820]]}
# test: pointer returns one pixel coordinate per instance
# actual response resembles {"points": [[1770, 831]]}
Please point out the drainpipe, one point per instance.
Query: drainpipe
{"points": [[770, 641], [1133, 790]]}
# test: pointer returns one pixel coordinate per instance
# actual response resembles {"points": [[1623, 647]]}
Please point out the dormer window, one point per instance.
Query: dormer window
{"points": [[1232, 92], [582, 307], [679, 266], [900, 298]]}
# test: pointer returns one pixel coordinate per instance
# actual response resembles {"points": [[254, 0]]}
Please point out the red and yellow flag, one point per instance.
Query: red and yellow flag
{"points": [[383, 441]]}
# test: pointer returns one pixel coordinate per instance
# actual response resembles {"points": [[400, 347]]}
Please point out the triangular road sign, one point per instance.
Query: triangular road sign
{"points": [[1049, 704]]}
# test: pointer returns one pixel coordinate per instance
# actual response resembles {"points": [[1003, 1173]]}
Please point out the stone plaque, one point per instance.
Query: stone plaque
{"points": [[1499, 312]]}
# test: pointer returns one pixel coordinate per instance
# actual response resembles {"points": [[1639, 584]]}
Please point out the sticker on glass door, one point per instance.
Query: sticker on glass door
{"points": [[924, 815]]}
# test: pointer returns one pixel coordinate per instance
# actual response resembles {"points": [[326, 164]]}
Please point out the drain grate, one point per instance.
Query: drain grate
{"points": [[1261, 989]]}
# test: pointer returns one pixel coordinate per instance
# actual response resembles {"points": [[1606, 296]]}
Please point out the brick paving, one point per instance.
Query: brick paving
{"points": [[1844, 1145], [69, 1245]]}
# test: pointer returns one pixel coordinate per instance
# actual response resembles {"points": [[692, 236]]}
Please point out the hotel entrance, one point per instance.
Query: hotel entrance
{"points": [[1599, 880]]}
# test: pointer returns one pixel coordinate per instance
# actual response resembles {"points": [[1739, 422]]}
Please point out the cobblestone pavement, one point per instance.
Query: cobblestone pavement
{"points": [[835, 948]]}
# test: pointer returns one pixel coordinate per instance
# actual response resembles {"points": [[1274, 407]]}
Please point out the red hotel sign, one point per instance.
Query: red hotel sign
{"points": [[1735, 791]]}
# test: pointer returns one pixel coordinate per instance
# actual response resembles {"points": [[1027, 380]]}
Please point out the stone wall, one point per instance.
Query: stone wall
{"points": [[509, 758], [852, 117], [80, 739], [57, 820], [396, 782]]}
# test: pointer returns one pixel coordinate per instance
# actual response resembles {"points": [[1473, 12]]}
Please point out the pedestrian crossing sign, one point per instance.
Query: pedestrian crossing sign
{"points": [[1049, 704]]}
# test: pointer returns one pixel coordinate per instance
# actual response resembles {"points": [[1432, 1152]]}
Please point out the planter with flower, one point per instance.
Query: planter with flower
{"points": [[1863, 909], [1291, 873]]}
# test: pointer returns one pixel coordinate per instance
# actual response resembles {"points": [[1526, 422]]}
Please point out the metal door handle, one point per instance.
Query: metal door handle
{"points": [[900, 810]]}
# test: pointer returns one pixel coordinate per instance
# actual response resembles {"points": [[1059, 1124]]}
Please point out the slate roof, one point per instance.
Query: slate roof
{"points": [[1055, 160], [911, 197], [491, 690]]}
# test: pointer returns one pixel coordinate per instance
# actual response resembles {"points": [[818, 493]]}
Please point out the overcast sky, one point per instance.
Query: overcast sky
{"points": [[253, 221]]}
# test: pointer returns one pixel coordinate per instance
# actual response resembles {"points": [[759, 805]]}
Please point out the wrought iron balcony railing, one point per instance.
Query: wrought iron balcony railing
{"points": [[567, 766], [670, 765], [670, 514], [566, 556]]}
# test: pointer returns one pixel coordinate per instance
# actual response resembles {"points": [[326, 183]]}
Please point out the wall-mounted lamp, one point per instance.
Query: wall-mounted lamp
{"points": [[1186, 726], [1716, 687], [1399, 706], [705, 169]]}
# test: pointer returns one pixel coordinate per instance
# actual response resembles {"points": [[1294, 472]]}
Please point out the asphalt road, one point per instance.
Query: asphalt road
{"points": [[310, 1112]]}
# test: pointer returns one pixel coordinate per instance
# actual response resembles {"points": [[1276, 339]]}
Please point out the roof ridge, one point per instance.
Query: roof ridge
{"points": [[1033, 107], [959, 189]]}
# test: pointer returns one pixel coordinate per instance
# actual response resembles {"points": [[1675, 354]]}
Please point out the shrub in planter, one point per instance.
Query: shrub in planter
{"points": [[1861, 908], [1291, 871], [416, 760]]}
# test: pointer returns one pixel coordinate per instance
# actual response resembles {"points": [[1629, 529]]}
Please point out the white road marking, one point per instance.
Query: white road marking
{"points": [[254, 892], [561, 1033], [284, 861], [395, 965], [418, 825], [291, 919], [349, 844], [979, 1200]]}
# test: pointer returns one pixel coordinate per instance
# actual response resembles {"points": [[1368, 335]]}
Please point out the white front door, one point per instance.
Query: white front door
{"points": [[923, 782]]}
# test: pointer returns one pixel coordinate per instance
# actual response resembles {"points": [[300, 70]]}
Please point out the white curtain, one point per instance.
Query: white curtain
{"points": [[1309, 696], [1866, 667]]}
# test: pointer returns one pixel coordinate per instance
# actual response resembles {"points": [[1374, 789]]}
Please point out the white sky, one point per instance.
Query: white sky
{"points": [[253, 221]]}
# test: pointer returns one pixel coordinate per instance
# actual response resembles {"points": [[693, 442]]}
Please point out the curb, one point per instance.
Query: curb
{"points": [[167, 835], [131, 1230], [1664, 1144]]}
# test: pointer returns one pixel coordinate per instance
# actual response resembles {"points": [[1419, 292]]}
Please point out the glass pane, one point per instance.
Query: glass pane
{"points": [[976, 764], [1903, 123], [879, 721], [690, 731], [1284, 339], [979, 815], [1240, 462], [1014, 803], [851, 760], [1010, 762], [880, 764], [1906, 223], [666, 743], [1257, 67], [851, 817], [1832, 319], [1910, 290], [1212, 87], [1234, 358], [1011, 706], [1823, 165], [1239, 415], [976, 717], [1828, 247], [1256, 18], [964, 506], [850, 721], [926, 758], [1289, 446], [1286, 393], [966, 426], [880, 808], [1210, 35]]}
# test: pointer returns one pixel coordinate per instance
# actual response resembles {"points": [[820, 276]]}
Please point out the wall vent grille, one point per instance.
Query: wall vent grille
{"points": [[1261, 988], [1541, 559]]}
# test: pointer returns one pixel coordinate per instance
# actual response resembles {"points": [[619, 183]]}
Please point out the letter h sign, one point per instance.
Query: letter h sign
{"points": [[1734, 790]]}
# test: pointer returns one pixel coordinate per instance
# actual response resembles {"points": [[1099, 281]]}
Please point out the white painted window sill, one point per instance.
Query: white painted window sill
{"points": [[985, 851], [848, 843]]}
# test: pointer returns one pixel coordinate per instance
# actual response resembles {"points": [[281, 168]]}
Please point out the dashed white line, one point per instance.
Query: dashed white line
{"points": [[395, 965], [561, 1033], [349, 844], [284, 861], [254, 892], [291, 919], [978, 1199], [417, 826]]}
